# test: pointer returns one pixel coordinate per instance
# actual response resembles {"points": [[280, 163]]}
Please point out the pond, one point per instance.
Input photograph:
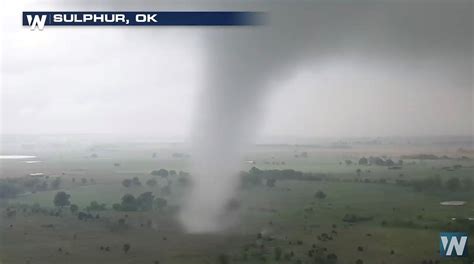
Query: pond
{"points": [[453, 203], [16, 157]]}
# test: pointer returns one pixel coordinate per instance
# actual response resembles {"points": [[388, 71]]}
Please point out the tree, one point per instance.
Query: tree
{"points": [[358, 171], [126, 247], [389, 162], [95, 206], [161, 172], [83, 180], [74, 208], [255, 171], [145, 201], [320, 195], [331, 258], [30, 183], [127, 183], [121, 221], [151, 182], [453, 184], [160, 203], [348, 162], [251, 178], [363, 161], [173, 173], [61, 199], [136, 181], [129, 203], [271, 182]]}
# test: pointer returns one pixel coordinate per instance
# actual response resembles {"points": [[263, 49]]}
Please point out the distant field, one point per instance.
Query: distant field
{"points": [[397, 224]]}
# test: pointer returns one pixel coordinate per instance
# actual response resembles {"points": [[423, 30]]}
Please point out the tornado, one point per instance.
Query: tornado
{"points": [[244, 64]]}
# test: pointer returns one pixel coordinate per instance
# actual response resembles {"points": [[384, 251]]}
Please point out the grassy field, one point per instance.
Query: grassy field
{"points": [[397, 224]]}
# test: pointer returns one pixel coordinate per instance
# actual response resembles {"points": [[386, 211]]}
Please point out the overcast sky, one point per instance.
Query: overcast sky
{"points": [[390, 69]]}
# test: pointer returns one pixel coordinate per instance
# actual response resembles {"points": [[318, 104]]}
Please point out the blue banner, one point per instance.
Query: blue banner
{"points": [[117, 18]]}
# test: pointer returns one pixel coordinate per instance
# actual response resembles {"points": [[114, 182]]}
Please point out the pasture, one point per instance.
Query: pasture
{"points": [[369, 213]]}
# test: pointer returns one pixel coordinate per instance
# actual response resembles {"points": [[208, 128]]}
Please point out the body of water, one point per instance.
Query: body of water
{"points": [[16, 157]]}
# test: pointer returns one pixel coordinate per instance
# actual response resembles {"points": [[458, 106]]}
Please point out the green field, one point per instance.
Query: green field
{"points": [[395, 222]]}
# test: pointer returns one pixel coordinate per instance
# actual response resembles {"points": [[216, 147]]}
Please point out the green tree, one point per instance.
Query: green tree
{"points": [[453, 184], [145, 201], [255, 171], [331, 258], [271, 182], [363, 161], [127, 183], [161, 172], [95, 206], [136, 181], [320, 195], [126, 247], [62, 199], [129, 203]]}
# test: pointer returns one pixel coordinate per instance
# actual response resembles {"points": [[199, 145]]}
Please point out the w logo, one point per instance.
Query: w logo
{"points": [[36, 21], [453, 244]]}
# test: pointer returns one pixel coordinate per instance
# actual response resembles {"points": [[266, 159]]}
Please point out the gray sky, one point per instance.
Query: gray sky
{"points": [[360, 70]]}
